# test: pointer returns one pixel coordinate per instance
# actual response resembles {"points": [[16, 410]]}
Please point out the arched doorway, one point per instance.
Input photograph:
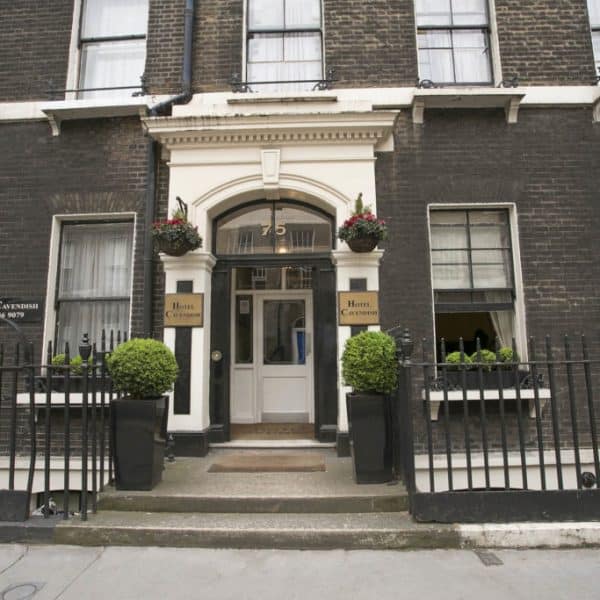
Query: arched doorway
{"points": [[273, 320]]}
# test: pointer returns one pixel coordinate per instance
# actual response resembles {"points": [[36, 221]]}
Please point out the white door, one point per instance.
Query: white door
{"points": [[283, 336]]}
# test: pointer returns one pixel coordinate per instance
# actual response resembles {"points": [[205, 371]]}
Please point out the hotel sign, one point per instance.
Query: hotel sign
{"points": [[358, 308], [22, 310], [184, 310]]}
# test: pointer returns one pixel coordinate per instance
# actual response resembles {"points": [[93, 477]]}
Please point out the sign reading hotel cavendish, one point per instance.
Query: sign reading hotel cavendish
{"points": [[184, 310], [22, 310], [359, 308]]}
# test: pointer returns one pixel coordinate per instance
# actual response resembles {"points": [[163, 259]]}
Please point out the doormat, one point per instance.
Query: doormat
{"points": [[268, 463]]}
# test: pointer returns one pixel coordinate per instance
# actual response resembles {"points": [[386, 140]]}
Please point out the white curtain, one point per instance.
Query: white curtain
{"points": [[103, 18], [503, 320], [95, 267]]}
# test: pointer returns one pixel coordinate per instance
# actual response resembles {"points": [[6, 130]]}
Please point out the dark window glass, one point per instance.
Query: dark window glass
{"points": [[243, 330]]}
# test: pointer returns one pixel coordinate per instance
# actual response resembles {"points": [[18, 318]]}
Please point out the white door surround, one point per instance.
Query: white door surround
{"points": [[223, 156]]}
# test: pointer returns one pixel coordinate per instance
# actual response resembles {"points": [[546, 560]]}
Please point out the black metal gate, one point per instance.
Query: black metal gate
{"points": [[499, 440]]}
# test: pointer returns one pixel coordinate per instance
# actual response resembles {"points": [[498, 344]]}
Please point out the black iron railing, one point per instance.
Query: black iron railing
{"points": [[500, 440], [33, 397]]}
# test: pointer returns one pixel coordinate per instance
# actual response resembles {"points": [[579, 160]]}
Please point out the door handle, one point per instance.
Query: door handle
{"points": [[216, 356]]}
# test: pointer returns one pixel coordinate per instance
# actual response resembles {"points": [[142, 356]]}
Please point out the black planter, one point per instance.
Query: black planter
{"points": [[364, 244], [489, 378], [140, 432], [370, 421]]}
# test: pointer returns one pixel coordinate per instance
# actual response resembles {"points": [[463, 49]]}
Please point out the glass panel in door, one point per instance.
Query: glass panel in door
{"points": [[284, 332]]}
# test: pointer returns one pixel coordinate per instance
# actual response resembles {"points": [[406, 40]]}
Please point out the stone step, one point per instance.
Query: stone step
{"points": [[180, 503], [381, 531]]}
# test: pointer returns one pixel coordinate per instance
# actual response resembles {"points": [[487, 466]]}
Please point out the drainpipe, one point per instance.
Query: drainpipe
{"points": [[153, 148]]}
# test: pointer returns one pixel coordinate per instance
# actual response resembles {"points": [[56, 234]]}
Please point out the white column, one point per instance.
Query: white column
{"points": [[196, 267], [352, 265]]}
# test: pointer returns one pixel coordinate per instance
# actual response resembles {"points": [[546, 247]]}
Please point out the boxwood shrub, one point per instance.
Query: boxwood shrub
{"points": [[142, 368], [369, 362]]}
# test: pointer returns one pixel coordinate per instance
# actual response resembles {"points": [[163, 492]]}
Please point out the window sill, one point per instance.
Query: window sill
{"points": [[68, 110], [281, 98], [468, 97], [436, 399]]}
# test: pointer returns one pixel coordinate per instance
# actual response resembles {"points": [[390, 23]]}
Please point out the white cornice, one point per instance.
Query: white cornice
{"points": [[342, 127]]}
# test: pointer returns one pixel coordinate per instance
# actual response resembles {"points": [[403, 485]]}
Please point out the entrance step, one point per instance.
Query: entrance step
{"points": [[381, 531], [189, 486]]}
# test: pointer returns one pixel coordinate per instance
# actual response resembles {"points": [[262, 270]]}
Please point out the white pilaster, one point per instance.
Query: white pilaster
{"points": [[352, 265], [196, 267]]}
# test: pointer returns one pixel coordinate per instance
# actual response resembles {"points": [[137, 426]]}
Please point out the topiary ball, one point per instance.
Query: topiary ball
{"points": [[369, 362], [142, 368]]}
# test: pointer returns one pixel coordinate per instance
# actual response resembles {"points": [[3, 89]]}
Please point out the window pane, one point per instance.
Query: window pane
{"points": [[301, 230], [471, 57], [448, 237], [452, 257], [243, 330], [102, 18], [258, 278], [112, 64], [77, 318], [435, 56], [495, 257], [447, 277], [300, 14], [488, 217], [302, 47], [596, 42], [265, 14], [491, 276], [284, 332], [433, 12], [483, 236], [265, 47], [469, 12], [594, 10], [247, 231], [96, 261], [298, 278]]}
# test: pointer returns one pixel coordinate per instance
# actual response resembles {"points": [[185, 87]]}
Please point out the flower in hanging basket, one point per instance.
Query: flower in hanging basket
{"points": [[177, 235], [363, 229]]}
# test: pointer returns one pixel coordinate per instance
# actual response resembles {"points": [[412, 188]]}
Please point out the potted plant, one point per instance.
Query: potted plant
{"points": [[75, 367], [363, 230], [143, 370], [176, 236], [456, 362], [369, 367]]}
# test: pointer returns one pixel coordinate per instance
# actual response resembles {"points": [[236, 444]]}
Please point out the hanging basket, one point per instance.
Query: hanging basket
{"points": [[363, 244], [174, 248]]}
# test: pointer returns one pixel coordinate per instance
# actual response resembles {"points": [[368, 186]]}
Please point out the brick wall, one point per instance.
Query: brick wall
{"points": [[34, 47], [547, 164], [545, 41], [93, 166]]}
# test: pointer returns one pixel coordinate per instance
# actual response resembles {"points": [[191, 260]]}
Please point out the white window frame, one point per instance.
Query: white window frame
{"points": [[245, 16], [495, 58], [74, 66], [54, 256], [594, 28], [520, 330]]}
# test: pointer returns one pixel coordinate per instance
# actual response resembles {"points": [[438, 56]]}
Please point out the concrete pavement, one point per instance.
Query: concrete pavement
{"points": [[118, 573]]}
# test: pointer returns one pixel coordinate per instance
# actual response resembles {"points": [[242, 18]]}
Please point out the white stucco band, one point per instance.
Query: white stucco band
{"points": [[324, 157]]}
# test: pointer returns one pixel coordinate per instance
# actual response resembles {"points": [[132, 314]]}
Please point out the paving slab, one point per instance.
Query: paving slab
{"points": [[46, 570]]}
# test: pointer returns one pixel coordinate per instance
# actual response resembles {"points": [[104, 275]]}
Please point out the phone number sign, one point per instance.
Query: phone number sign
{"points": [[23, 310]]}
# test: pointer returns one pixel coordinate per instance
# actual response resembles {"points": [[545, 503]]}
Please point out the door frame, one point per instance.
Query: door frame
{"points": [[325, 368]]}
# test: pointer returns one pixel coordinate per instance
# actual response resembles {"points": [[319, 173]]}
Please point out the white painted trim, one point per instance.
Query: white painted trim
{"points": [[349, 99], [494, 43], [519, 311], [74, 53], [53, 253]]}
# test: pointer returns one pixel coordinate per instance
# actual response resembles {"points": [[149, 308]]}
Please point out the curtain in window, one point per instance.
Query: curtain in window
{"points": [[503, 320], [94, 281]]}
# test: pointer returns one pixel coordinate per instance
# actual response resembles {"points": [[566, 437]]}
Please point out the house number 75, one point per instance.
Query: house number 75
{"points": [[279, 230]]}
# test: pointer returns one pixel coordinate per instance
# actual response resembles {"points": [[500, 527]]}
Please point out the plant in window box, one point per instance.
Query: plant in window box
{"points": [[456, 363], [176, 236], [143, 370], [369, 367], [363, 230], [75, 367]]}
